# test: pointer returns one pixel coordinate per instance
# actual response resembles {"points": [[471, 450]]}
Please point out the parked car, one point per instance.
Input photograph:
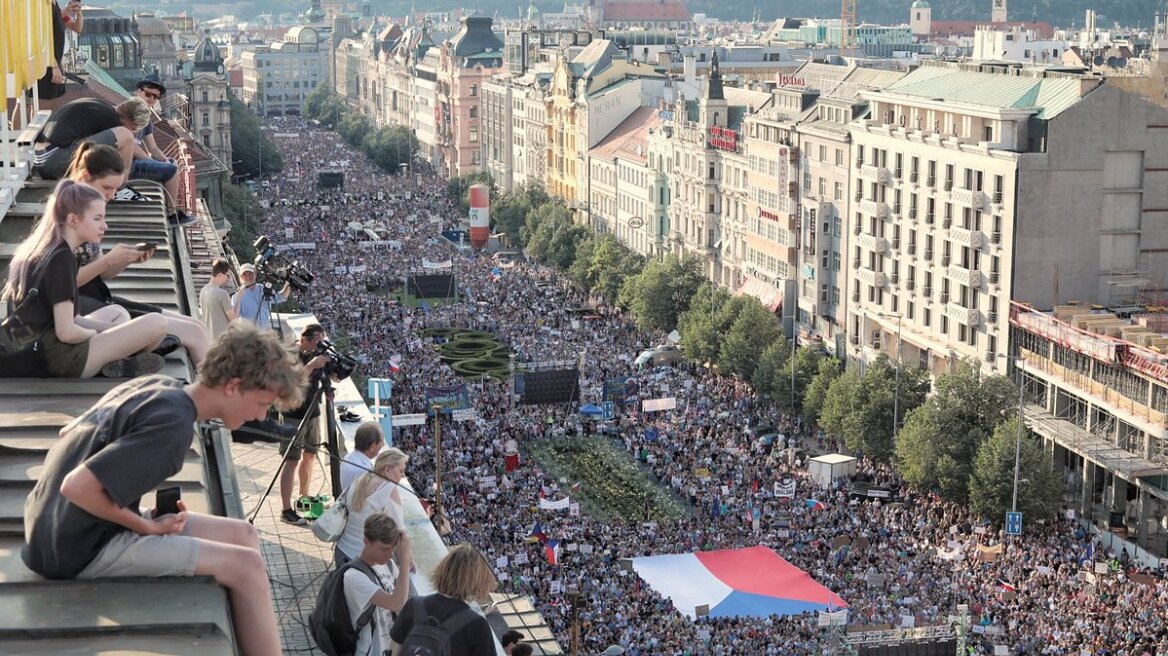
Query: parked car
{"points": [[659, 355]]}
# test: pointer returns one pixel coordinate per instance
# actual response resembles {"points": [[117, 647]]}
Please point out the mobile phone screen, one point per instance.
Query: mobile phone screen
{"points": [[166, 501]]}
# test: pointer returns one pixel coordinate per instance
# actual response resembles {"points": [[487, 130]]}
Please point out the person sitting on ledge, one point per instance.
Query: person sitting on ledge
{"points": [[83, 518], [74, 346]]}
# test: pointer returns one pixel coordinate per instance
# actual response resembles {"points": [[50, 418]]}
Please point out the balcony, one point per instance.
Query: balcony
{"points": [[895, 243], [970, 238], [931, 181], [870, 277], [912, 248], [996, 237], [873, 243], [994, 277], [969, 198], [963, 315], [856, 229], [964, 276], [910, 284], [874, 208], [855, 299], [997, 198], [926, 291], [913, 177], [878, 174]]}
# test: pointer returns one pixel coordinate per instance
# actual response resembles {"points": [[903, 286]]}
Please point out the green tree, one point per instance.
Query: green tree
{"points": [[244, 213], [939, 442], [753, 330], [991, 488], [860, 408], [816, 394], [661, 292], [255, 153], [770, 366], [805, 365], [510, 210]]}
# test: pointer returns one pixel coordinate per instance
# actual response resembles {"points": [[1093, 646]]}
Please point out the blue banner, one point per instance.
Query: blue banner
{"points": [[449, 397]]}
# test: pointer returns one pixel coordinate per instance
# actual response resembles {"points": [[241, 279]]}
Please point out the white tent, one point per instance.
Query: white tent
{"points": [[827, 469]]}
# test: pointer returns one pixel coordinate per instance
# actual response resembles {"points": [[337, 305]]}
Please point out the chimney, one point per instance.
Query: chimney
{"points": [[690, 68]]}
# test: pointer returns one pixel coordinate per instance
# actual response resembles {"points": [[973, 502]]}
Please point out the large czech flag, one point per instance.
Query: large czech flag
{"points": [[753, 582]]}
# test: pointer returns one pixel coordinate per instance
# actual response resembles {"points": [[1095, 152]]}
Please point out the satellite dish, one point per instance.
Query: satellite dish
{"points": [[1121, 62], [1098, 60], [1111, 62]]}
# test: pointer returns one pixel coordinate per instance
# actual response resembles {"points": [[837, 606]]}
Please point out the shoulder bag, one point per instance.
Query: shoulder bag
{"points": [[22, 353]]}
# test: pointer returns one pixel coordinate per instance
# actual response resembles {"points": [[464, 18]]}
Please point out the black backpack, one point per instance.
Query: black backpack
{"points": [[428, 636], [329, 622]]}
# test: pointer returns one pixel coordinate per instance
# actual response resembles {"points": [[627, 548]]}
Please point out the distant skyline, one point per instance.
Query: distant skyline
{"points": [[1064, 14]]}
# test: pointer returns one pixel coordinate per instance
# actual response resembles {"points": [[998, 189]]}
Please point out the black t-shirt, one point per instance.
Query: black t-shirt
{"points": [[132, 440], [58, 282], [96, 287], [314, 378], [77, 120], [474, 639]]}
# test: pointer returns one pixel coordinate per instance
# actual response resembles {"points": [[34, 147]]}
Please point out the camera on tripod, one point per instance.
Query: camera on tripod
{"points": [[340, 365], [274, 266]]}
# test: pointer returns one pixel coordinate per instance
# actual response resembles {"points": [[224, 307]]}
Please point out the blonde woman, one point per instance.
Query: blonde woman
{"points": [[75, 346], [374, 492], [461, 576]]}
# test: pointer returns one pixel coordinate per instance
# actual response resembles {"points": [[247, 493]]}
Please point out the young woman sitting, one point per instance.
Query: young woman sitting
{"points": [[75, 346], [102, 168]]}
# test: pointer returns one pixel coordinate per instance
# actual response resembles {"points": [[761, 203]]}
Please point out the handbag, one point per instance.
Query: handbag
{"points": [[22, 353], [331, 524]]}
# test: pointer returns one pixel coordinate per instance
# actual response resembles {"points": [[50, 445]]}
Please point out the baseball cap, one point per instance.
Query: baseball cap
{"points": [[247, 268]]}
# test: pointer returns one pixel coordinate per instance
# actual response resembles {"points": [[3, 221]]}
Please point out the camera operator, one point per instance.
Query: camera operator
{"points": [[250, 303], [303, 449]]}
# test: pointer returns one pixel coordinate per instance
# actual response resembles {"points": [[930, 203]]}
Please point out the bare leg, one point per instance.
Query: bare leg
{"points": [[230, 551], [192, 334], [114, 314], [305, 469], [287, 477], [140, 334]]}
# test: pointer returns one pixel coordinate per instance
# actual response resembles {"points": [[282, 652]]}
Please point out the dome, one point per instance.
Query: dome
{"points": [[207, 52], [920, 4]]}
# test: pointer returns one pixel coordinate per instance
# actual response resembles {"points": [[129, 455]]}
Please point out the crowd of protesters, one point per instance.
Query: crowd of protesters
{"points": [[908, 560]]}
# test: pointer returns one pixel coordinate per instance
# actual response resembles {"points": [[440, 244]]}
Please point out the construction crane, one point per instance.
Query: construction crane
{"points": [[847, 28]]}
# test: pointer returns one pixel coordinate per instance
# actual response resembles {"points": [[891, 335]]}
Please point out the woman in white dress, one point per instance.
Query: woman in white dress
{"points": [[373, 492]]}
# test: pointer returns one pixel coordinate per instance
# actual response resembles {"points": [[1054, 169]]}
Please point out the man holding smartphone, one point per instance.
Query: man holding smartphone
{"points": [[83, 520]]}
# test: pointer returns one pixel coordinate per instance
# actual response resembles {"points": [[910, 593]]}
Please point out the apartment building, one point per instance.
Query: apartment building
{"points": [[625, 197], [465, 62], [279, 76]]}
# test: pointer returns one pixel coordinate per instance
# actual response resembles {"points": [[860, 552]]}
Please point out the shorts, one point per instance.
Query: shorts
{"points": [[309, 444], [152, 169], [64, 360], [57, 164], [131, 554], [90, 304]]}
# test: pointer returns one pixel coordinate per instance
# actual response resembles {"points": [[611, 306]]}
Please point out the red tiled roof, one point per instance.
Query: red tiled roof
{"points": [[663, 11], [966, 27], [630, 139]]}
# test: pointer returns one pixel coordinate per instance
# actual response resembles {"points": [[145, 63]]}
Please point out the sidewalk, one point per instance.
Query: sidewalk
{"points": [[297, 561]]}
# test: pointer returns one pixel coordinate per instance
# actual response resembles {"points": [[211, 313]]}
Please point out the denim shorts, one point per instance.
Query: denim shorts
{"points": [[152, 169]]}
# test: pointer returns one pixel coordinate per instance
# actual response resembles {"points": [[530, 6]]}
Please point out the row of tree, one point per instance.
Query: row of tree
{"points": [[954, 438], [388, 147]]}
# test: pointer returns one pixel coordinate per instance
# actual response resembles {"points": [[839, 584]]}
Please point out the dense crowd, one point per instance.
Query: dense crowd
{"points": [[911, 560]]}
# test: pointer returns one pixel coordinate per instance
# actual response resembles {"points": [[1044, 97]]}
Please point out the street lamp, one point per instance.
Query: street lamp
{"points": [[1018, 361], [896, 394]]}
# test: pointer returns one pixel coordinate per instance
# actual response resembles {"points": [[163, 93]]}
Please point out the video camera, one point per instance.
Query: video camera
{"points": [[340, 366], [271, 265]]}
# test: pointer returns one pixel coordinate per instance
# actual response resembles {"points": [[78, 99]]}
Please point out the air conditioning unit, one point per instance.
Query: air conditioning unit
{"points": [[875, 339]]}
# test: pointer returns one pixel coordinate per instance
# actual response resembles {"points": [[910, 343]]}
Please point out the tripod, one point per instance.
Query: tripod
{"points": [[298, 439]]}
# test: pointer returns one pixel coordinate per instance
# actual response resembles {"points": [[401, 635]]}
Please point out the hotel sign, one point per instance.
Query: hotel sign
{"points": [[723, 138]]}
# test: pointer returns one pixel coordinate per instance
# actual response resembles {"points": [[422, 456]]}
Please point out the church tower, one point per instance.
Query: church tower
{"points": [[998, 11], [210, 110]]}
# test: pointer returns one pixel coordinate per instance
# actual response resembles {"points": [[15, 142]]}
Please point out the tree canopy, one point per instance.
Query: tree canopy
{"points": [[991, 488], [859, 408], [254, 151], [937, 446], [662, 292]]}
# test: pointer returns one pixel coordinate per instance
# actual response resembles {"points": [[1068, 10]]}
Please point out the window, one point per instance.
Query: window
{"points": [[204, 96], [474, 134], [839, 191], [474, 112], [206, 119], [822, 153], [474, 90]]}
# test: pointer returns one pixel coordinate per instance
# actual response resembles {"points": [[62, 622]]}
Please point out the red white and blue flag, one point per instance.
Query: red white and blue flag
{"points": [[552, 549], [537, 533], [1004, 586]]}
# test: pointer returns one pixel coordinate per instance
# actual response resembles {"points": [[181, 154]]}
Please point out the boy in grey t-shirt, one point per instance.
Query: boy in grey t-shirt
{"points": [[214, 302], [83, 520]]}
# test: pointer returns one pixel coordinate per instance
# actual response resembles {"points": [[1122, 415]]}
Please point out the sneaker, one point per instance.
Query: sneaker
{"points": [[180, 219], [169, 345], [289, 516], [139, 364], [128, 195]]}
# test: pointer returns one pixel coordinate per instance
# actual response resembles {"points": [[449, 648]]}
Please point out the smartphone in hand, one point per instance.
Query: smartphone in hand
{"points": [[146, 246], [166, 501]]}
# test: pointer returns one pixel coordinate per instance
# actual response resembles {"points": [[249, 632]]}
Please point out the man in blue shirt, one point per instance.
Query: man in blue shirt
{"points": [[249, 302]]}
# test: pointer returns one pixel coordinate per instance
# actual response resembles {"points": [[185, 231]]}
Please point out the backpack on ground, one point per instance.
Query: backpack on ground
{"points": [[428, 636], [329, 623]]}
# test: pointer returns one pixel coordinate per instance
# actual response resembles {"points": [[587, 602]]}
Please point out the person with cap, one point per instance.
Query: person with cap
{"points": [[249, 302], [509, 640], [150, 163]]}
